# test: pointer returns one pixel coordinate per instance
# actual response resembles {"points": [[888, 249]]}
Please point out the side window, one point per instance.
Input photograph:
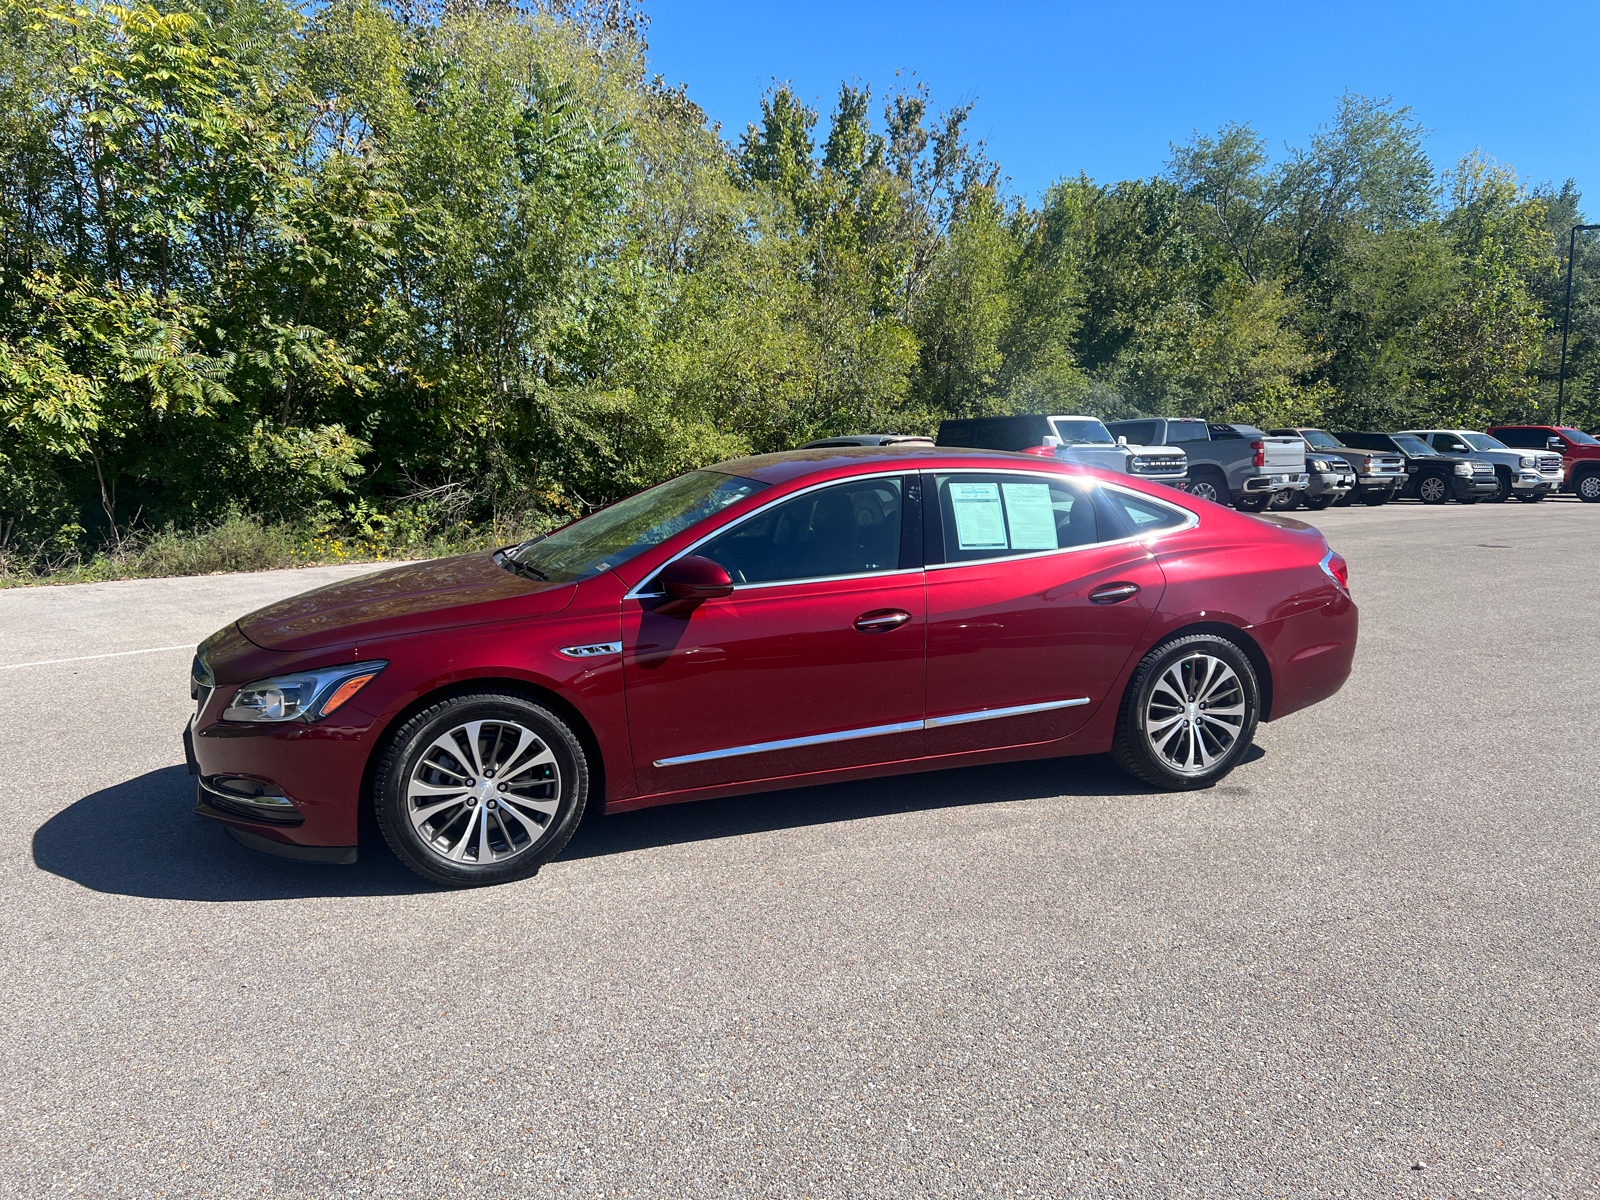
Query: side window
{"points": [[1187, 431], [1448, 443], [848, 529], [1138, 433], [1000, 516], [1523, 439], [1143, 516]]}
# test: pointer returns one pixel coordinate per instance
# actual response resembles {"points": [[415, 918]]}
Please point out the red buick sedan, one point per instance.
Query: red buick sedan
{"points": [[771, 622]]}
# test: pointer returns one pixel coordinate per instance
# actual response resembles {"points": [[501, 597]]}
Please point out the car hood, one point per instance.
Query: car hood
{"points": [[447, 593]]}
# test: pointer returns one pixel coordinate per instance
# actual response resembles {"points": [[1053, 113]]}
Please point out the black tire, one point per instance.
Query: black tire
{"points": [[1434, 488], [1252, 503], [1346, 500], [1286, 500], [1503, 474], [1209, 484], [1132, 745], [1531, 496], [1318, 503], [561, 784], [1377, 500], [1588, 487]]}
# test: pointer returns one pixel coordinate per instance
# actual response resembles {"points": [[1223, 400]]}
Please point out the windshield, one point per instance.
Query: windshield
{"points": [[613, 535], [1082, 431], [1576, 436], [1415, 446], [1321, 440], [1482, 441]]}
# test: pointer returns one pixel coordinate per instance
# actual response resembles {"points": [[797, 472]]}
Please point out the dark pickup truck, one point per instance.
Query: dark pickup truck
{"points": [[1380, 475], [1231, 464], [1432, 477]]}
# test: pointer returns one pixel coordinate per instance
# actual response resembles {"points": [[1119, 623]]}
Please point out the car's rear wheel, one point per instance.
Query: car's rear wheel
{"points": [[480, 788], [1286, 500], [1255, 502], [1318, 503], [1588, 488], [1503, 475], [1433, 489], [1189, 713]]}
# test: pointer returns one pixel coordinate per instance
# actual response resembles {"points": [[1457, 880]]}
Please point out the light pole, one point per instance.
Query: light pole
{"points": [[1566, 325]]}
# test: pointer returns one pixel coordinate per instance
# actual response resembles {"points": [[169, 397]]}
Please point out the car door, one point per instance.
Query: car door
{"points": [[1449, 443], [1037, 595], [815, 662]]}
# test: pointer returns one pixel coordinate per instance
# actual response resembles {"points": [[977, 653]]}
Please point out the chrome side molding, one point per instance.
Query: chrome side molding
{"points": [[845, 735]]}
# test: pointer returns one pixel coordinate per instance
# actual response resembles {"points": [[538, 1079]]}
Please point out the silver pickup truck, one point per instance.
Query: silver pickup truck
{"points": [[1075, 439], [1231, 464]]}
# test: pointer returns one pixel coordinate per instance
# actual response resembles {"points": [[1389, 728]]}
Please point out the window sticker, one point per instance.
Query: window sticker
{"points": [[1030, 516], [980, 525]]}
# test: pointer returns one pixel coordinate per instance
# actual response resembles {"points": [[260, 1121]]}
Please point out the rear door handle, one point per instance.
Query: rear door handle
{"points": [[1114, 593], [881, 620]]}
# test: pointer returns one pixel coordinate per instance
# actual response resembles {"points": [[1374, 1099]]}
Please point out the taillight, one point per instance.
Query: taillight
{"points": [[1334, 566], [1260, 459]]}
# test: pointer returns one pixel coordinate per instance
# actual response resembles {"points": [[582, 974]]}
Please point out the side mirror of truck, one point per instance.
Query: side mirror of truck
{"points": [[1122, 439], [1554, 443], [1050, 441]]}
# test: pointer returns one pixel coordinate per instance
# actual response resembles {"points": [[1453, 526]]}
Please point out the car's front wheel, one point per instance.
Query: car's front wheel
{"points": [[480, 788], [1189, 713], [1318, 503], [1503, 477], [1434, 489], [1287, 500]]}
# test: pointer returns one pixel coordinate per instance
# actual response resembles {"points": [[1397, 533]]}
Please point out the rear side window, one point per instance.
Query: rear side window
{"points": [[1523, 439], [1187, 431], [1143, 516], [1001, 516], [1138, 433]]}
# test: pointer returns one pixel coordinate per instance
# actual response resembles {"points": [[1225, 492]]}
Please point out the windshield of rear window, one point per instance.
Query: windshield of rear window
{"points": [[1082, 432], [613, 535], [1187, 431], [1321, 440], [1577, 436], [1482, 441], [1414, 445]]}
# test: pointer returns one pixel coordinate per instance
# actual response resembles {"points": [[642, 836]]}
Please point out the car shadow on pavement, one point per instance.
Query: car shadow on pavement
{"points": [[704, 820], [141, 838]]}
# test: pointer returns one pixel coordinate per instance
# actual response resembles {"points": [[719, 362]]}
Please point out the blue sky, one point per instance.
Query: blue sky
{"points": [[1104, 88]]}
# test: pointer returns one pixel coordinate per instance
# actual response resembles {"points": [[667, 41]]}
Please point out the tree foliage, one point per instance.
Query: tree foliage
{"points": [[354, 258]]}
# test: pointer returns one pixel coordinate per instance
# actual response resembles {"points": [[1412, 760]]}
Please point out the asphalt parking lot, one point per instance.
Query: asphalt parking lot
{"points": [[1365, 965]]}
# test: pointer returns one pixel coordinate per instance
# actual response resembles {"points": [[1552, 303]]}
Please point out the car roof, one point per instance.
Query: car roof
{"points": [[913, 456]]}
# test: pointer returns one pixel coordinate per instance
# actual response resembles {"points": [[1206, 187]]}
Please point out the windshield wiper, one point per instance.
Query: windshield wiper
{"points": [[517, 567]]}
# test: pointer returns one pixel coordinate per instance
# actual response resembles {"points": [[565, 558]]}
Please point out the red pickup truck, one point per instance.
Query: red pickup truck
{"points": [[1580, 453]]}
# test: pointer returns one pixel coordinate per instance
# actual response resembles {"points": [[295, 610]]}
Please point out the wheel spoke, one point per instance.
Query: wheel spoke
{"points": [[419, 788], [500, 765], [1157, 728], [458, 852], [544, 756], [447, 744]]}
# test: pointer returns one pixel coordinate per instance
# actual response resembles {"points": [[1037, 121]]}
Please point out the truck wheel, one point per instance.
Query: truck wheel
{"points": [[1531, 496], [1318, 503], [1287, 500], [1588, 487], [1255, 503], [1189, 713], [1346, 500], [1433, 489], [1376, 499], [1209, 485], [1503, 474]]}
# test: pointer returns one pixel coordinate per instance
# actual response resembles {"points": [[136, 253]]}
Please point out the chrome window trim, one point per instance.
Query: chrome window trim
{"points": [[1191, 518], [846, 735], [988, 714], [636, 592]]}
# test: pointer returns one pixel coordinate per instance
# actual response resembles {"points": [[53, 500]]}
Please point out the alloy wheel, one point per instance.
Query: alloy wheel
{"points": [[1204, 489], [484, 792], [1589, 488], [1195, 713], [1432, 490]]}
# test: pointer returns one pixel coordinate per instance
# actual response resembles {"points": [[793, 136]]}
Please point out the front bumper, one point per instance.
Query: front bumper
{"points": [[1330, 483], [1528, 481], [1476, 487]]}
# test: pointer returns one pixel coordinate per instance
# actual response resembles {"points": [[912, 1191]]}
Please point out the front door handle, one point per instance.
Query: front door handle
{"points": [[881, 620], [1114, 593]]}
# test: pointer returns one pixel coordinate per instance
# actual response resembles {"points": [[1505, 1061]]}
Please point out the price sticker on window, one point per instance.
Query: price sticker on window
{"points": [[1030, 516], [980, 523]]}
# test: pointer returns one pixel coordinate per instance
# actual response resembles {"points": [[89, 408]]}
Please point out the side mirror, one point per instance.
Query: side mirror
{"points": [[1122, 439], [1554, 443], [690, 581], [1051, 441]]}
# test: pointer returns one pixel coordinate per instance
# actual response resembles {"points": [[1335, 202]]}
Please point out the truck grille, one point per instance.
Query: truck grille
{"points": [[1479, 467], [1549, 462], [1386, 466], [1164, 465]]}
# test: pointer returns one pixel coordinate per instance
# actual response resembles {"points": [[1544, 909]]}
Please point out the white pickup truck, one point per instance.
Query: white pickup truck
{"points": [[1231, 464]]}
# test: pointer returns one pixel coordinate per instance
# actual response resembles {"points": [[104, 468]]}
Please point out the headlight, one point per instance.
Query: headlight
{"points": [[1527, 460], [1464, 468], [303, 696], [1319, 464]]}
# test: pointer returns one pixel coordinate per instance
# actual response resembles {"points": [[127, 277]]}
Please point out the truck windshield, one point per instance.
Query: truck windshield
{"points": [[1415, 446], [1576, 436], [1482, 441], [1321, 440], [1080, 431], [613, 535]]}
